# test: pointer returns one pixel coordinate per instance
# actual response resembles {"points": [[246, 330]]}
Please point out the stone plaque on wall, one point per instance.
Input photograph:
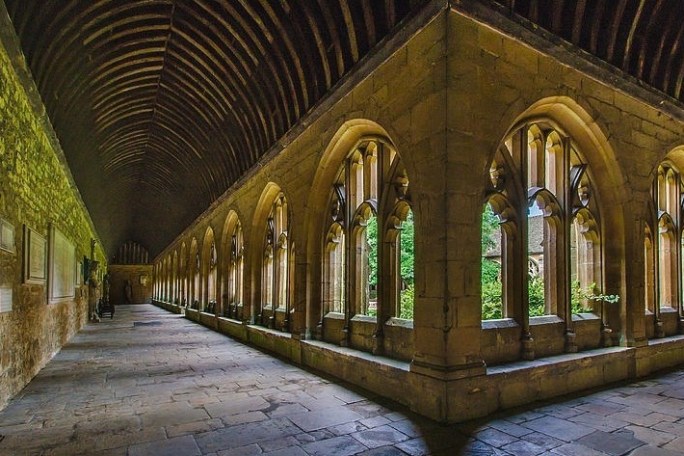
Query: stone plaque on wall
{"points": [[35, 251], [6, 236], [6, 298], [62, 266]]}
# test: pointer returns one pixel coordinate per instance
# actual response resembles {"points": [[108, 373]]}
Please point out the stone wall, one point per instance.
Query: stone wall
{"points": [[140, 276], [35, 190], [447, 99]]}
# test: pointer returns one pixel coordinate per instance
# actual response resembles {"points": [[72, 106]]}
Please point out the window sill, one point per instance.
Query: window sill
{"points": [[585, 316], [400, 323], [334, 316], [545, 320], [499, 323], [270, 331], [364, 319]]}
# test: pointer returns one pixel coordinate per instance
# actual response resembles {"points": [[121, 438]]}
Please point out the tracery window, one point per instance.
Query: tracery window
{"points": [[174, 278], [211, 279], [369, 231], [183, 278], [275, 277], [669, 202], [541, 176], [196, 290], [157, 277], [501, 256], [235, 273]]}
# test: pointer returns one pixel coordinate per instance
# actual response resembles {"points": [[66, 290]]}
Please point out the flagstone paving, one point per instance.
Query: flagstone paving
{"points": [[176, 388]]}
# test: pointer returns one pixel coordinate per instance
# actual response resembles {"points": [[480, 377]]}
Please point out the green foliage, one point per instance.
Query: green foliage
{"points": [[491, 300], [535, 296], [492, 293], [406, 303], [490, 228], [372, 240], [407, 252], [612, 299], [579, 297], [406, 264], [491, 271]]}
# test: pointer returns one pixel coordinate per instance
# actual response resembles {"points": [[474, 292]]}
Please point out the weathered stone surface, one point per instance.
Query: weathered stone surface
{"points": [[171, 447], [36, 191], [118, 415], [559, 429], [320, 419], [613, 444], [342, 446]]}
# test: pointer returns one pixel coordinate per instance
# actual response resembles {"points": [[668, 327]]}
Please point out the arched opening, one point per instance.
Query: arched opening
{"points": [[233, 268], [493, 257], [275, 265]]}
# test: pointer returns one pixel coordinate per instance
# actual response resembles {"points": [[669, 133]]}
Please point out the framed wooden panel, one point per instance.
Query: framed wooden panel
{"points": [[6, 236], [62, 266], [35, 256], [79, 273]]}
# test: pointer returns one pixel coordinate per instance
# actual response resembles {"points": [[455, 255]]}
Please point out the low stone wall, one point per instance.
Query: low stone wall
{"points": [[168, 306]]}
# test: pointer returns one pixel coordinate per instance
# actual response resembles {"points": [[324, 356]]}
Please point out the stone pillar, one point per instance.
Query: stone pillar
{"points": [[631, 304], [299, 326], [448, 311]]}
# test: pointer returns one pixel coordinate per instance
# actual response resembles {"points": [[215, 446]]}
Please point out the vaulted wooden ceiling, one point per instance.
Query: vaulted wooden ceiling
{"points": [[161, 105], [644, 38]]}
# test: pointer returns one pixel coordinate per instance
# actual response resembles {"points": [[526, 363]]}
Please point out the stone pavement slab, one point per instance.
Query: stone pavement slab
{"points": [[170, 447], [177, 388]]}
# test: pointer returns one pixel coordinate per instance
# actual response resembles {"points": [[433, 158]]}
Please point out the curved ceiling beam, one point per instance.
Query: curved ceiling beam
{"points": [[167, 97]]}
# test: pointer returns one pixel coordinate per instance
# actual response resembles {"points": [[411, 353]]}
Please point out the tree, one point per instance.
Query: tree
{"points": [[406, 263], [492, 293]]}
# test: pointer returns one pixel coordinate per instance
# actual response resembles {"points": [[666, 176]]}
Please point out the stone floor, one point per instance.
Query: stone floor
{"points": [[151, 383]]}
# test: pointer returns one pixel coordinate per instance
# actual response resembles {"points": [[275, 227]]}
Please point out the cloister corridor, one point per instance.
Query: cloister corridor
{"points": [[148, 382]]}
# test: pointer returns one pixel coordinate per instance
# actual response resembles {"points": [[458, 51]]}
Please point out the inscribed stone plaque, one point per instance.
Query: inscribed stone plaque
{"points": [[62, 266], [6, 298], [6, 236], [35, 252]]}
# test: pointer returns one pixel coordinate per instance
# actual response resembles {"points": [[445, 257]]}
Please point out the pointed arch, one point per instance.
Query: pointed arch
{"points": [[208, 271], [271, 255], [183, 274], [232, 267], [194, 275]]}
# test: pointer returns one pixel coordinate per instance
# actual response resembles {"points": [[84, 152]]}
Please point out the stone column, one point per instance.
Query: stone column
{"points": [[631, 304]]}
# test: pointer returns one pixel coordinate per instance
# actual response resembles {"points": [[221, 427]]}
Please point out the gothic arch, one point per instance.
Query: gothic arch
{"points": [[345, 139], [277, 297], [567, 115], [232, 267], [208, 275], [557, 148], [194, 275], [183, 275]]}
